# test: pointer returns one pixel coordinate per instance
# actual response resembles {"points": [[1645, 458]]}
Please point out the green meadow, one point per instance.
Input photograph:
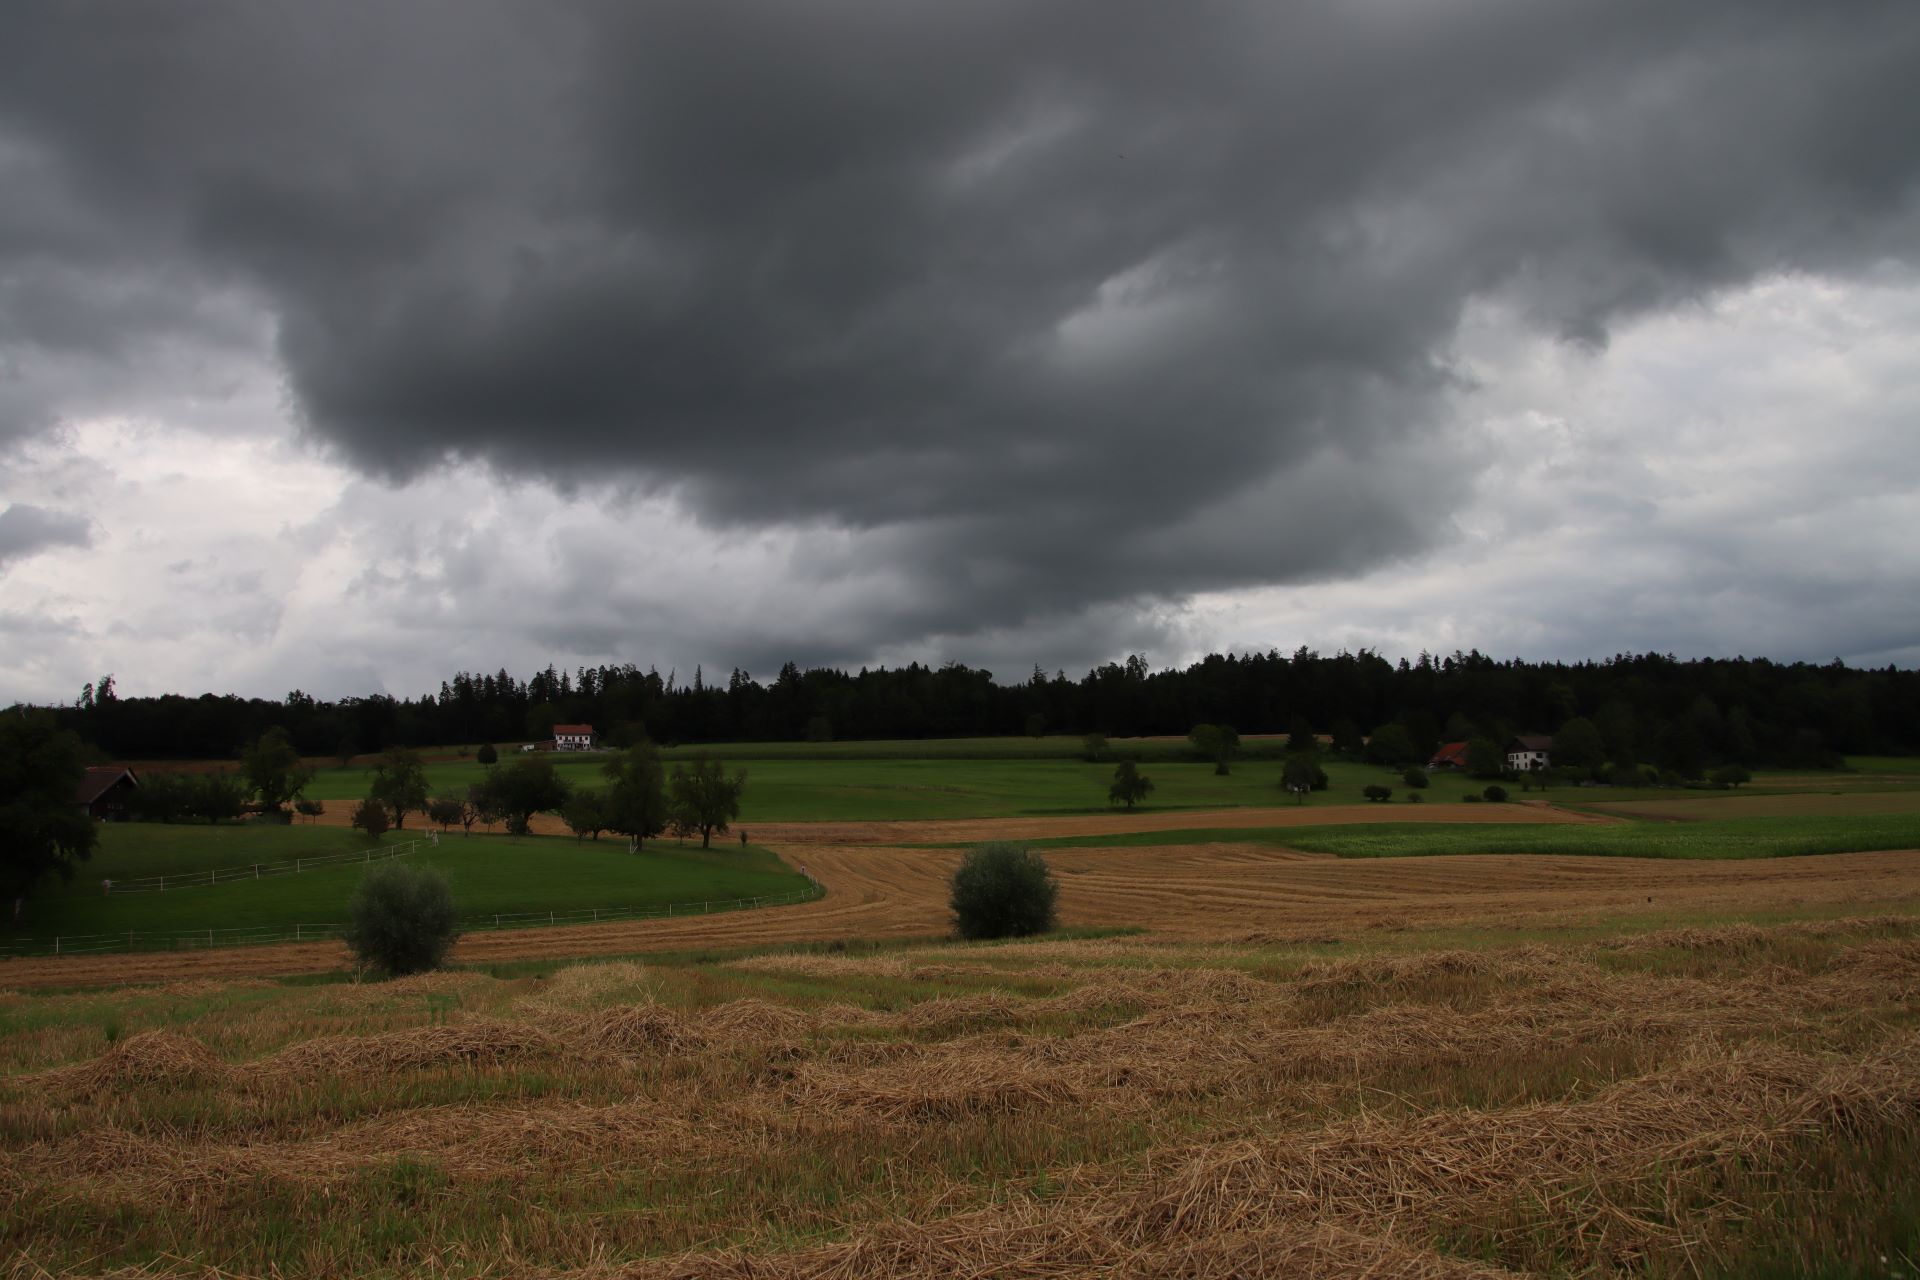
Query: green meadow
{"points": [[489, 874]]}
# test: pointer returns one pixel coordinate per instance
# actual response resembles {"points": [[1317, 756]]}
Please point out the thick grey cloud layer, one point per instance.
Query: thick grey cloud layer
{"points": [[1057, 304], [25, 529]]}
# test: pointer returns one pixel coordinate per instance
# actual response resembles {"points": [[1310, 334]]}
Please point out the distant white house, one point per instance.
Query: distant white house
{"points": [[1528, 752], [573, 737]]}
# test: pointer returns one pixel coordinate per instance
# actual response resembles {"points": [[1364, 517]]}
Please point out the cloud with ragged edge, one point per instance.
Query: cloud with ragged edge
{"points": [[26, 530], [999, 325]]}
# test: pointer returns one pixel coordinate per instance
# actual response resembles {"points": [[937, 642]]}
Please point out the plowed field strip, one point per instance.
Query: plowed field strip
{"points": [[1205, 891]]}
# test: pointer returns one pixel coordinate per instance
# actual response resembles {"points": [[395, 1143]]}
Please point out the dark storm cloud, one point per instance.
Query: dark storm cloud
{"points": [[1065, 303], [26, 529]]}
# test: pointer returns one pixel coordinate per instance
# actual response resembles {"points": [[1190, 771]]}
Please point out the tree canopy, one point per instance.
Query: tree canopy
{"points": [[272, 768], [43, 829], [704, 798]]}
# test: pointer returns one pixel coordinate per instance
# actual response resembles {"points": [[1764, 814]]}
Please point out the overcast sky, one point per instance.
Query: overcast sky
{"points": [[346, 345]]}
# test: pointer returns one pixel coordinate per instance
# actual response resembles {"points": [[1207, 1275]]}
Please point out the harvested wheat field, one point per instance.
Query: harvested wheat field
{"points": [[1217, 891], [1688, 1101]]}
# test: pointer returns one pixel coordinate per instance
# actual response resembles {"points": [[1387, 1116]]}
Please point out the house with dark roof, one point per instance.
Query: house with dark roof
{"points": [[1529, 751], [103, 792], [1452, 755], [573, 737]]}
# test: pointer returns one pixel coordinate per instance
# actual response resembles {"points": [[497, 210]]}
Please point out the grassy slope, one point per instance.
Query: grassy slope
{"points": [[489, 874], [1771, 837]]}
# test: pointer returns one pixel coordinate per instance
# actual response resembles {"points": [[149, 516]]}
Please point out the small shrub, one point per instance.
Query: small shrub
{"points": [[309, 809], [1414, 797], [1003, 890], [1494, 794], [1472, 797], [1416, 777], [486, 754], [370, 816], [1377, 793], [402, 919]]}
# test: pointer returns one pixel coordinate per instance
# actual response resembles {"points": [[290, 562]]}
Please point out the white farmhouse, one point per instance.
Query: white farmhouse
{"points": [[1528, 752], [573, 737]]}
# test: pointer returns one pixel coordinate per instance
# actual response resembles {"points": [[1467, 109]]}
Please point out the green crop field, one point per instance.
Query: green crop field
{"points": [[832, 787], [1763, 837], [489, 874]]}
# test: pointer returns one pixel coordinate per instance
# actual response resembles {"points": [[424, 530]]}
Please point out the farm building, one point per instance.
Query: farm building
{"points": [[104, 791], [573, 737], [1453, 755], [1529, 751]]}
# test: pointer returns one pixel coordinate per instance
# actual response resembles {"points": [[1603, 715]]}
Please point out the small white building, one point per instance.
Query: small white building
{"points": [[1529, 752], [573, 737]]}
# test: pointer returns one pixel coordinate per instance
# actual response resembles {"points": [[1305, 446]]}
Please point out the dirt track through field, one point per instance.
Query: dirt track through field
{"points": [[1197, 891]]}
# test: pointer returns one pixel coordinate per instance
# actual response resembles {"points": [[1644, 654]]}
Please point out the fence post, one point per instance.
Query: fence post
{"points": [[256, 871], [56, 944], [296, 933], [163, 884], [296, 866]]}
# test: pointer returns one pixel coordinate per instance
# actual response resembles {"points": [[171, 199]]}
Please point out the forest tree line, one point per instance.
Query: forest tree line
{"points": [[1749, 710]]}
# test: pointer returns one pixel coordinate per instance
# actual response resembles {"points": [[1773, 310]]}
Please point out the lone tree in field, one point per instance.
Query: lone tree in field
{"points": [[526, 787], [705, 799], [42, 831], [402, 919], [1299, 774], [370, 816], [400, 783], [1003, 890], [1130, 786], [1217, 742], [273, 769], [486, 754], [637, 793], [309, 809]]}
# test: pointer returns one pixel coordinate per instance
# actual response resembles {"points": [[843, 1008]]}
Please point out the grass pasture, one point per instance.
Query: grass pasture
{"points": [[1733, 838], [489, 874], [1719, 1101]]}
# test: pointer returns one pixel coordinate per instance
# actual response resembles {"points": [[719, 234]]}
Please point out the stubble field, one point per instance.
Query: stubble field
{"points": [[1241, 1059]]}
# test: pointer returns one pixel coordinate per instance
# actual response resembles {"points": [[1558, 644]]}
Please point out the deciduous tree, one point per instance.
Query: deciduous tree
{"points": [[704, 798], [42, 830], [400, 783], [1130, 786], [273, 770], [637, 793]]}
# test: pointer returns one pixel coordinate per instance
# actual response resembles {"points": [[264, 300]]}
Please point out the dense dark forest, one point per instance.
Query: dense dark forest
{"points": [[1648, 707]]}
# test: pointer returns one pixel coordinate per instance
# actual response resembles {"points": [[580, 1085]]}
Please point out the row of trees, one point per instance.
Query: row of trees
{"points": [[641, 798], [1752, 711]]}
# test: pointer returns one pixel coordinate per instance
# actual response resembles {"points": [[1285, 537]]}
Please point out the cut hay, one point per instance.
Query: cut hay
{"points": [[756, 1022], [148, 1058], [1399, 972], [479, 1042], [587, 985], [814, 964], [951, 1013], [632, 1031], [950, 1088]]}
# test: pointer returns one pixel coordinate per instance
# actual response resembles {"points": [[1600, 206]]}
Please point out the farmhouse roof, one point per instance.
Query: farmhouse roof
{"points": [[1531, 742], [573, 729], [1452, 753], [98, 780]]}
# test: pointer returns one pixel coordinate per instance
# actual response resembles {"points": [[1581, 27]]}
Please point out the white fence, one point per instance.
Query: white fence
{"points": [[202, 939], [258, 870]]}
